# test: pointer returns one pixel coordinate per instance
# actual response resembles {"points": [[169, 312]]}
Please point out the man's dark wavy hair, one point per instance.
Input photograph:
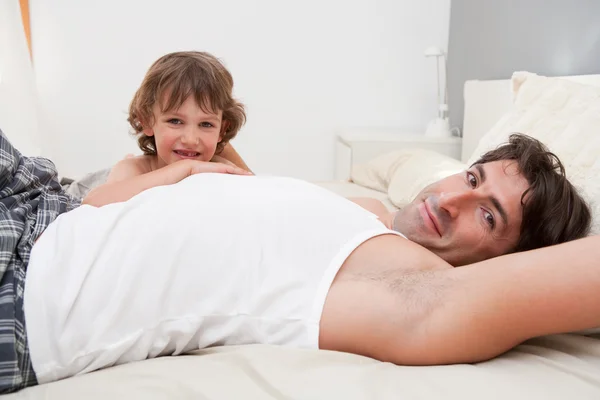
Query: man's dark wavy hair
{"points": [[553, 210]]}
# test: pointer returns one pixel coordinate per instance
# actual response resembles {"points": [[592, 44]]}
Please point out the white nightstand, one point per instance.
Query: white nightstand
{"points": [[358, 147]]}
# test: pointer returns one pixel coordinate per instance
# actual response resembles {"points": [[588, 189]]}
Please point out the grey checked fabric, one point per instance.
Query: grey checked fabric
{"points": [[30, 199]]}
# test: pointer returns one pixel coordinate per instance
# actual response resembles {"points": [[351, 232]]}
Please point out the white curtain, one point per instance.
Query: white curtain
{"points": [[19, 118]]}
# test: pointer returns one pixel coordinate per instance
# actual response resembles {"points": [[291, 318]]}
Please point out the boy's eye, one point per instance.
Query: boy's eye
{"points": [[206, 125], [175, 121]]}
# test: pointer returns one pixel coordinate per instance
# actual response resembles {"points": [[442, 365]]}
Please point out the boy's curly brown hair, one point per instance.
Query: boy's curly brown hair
{"points": [[180, 75]]}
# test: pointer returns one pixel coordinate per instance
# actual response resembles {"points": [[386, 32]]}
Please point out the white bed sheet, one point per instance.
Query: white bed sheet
{"points": [[550, 368]]}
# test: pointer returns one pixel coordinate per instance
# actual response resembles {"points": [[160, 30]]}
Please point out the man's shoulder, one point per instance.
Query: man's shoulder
{"points": [[393, 253]]}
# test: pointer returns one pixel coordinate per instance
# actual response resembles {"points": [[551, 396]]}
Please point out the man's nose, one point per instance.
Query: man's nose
{"points": [[454, 202]]}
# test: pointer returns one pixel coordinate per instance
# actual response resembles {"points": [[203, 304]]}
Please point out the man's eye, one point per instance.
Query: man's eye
{"points": [[489, 218], [472, 179], [175, 121]]}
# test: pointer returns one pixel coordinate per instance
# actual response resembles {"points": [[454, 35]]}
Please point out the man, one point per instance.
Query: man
{"points": [[514, 198], [219, 259]]}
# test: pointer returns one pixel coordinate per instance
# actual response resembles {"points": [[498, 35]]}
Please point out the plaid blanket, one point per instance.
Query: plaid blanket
{"points": [[30, 199]]}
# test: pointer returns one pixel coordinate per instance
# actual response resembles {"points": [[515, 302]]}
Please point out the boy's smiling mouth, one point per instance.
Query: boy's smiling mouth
{"points": [[186, 153]]}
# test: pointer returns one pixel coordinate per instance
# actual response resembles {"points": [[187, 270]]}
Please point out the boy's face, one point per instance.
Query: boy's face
{"points": [[185, 133]]}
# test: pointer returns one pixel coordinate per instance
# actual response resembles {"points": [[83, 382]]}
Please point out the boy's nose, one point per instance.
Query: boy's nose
{"points": [[189, 137]]}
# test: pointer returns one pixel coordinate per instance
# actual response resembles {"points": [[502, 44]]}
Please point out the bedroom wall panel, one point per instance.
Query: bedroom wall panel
{"points": [[303, 69]]}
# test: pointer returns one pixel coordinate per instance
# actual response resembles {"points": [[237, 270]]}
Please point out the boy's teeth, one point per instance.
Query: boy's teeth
{"points": [[187, 153]]}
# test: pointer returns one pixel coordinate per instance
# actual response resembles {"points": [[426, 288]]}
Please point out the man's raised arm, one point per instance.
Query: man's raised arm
{"points": [[487, 308]]}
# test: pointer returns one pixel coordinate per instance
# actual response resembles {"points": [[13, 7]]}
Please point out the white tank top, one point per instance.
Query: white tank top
{"points": [[213, 260]]}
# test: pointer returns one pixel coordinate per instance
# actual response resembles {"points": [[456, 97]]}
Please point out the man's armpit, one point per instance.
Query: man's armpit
{"points": [[417, 293]]}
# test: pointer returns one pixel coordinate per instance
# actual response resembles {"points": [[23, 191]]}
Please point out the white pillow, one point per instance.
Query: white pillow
{"points": [[419, 171], [565, 116], [377, 173], [404, 173]]}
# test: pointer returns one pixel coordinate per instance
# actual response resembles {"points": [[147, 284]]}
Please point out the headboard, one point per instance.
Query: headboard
{"points": [[487, 101]]}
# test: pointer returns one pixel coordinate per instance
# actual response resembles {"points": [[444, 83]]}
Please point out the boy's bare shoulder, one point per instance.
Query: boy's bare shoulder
{"points": [[130, 167]]}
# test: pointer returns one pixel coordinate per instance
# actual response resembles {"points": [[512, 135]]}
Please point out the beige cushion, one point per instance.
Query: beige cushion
{"points": [[377, 173], [564, 115]]}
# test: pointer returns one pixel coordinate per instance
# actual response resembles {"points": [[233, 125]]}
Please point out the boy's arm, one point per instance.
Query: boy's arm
{"points": [[118, 190], [222, 160], [485, 309], [230, 154], [127, 168]]}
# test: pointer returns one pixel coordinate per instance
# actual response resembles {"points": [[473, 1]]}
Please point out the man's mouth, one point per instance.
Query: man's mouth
{"points": [[433, 218], [186, 153]]}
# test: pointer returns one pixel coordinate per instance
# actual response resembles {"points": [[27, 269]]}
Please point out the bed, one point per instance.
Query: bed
{"points": [[552, 367]]}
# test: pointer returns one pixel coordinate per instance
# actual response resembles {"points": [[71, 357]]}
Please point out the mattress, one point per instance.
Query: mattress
{"points": [[553, 367]]}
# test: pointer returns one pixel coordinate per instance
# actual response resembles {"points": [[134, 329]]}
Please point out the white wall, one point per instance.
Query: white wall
{"points": [[303, 68], [18, 99]]}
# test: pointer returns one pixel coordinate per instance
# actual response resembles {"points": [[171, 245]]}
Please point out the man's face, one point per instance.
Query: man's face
{"points": [[470, 216]]}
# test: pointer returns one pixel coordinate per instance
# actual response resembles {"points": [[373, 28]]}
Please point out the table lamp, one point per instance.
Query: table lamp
{"points": [[440, 126]]}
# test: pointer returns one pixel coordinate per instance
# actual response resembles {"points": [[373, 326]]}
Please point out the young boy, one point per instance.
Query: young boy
{"points": [[184, 116]]}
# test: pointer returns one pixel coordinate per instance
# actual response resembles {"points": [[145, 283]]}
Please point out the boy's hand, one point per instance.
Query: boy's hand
{"points": [[182, 169], [124, 190], [198, 167]]}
